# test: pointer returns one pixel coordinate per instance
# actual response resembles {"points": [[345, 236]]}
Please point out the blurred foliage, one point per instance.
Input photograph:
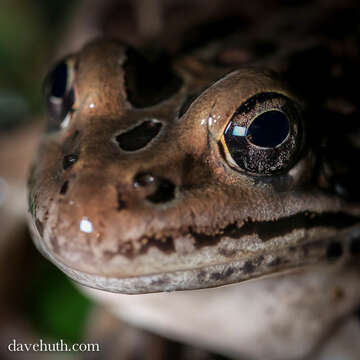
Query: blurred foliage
{"points": [[54, 306], [28, 36]]}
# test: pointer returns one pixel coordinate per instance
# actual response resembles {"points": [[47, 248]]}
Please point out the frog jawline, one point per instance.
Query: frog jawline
{"points": [[260, 265]]}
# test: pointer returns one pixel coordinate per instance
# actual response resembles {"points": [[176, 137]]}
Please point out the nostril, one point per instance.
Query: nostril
{"points": [[161, 190], [139, 136], [165, 192], [143, 179]]}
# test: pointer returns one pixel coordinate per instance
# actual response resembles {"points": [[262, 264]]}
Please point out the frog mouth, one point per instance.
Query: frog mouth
{"points": [[264, 230], [229, 265], [267, 230]]}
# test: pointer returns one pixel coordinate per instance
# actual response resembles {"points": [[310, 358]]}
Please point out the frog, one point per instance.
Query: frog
{"points": [[200, 177]]}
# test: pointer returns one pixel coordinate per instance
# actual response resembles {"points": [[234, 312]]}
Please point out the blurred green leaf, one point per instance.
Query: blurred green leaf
{"points": [[55, 306]]}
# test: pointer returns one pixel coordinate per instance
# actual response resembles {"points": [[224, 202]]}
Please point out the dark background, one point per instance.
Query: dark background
{"points": [[36, 300]]}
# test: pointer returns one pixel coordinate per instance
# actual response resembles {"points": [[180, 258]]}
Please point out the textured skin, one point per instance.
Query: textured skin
{"points": [[219, 224], [143, 238]]}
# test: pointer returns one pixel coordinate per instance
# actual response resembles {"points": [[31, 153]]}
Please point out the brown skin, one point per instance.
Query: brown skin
{"points": [[187, 232]]}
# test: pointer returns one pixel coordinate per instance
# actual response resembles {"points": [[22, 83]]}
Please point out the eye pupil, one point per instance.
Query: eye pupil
{"points": [[269, 129], [59, 80]]}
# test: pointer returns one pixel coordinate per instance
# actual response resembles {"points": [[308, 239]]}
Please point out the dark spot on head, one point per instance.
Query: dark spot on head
{"points": [[149, 82], [334, 251], [139, 136], [165, 192], [69, 160], [248, 267], [355, 246], [40, 227], [186, 104], [64, 187]]}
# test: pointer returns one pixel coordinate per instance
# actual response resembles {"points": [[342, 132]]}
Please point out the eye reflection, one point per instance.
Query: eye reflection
{"points": [[239, 131]]}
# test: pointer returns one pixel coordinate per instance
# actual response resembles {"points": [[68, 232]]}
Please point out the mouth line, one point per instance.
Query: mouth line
{"points": [[264, 230], [267, 230], [258, 264]]}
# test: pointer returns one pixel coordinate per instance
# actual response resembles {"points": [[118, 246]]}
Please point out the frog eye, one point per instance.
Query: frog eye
{"points": [[59, 92], [265, 135]]}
